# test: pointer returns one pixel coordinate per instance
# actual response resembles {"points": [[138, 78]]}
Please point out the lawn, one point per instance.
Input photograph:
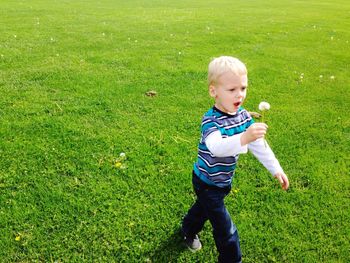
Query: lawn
{"points": [[73, 78]]}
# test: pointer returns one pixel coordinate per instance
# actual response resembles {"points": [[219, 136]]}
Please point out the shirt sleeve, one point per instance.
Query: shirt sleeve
{"points": [[265, 155], [225, 147]]}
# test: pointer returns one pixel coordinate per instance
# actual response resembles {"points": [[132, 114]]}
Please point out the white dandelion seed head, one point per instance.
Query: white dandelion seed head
{"points": [[122, 155], [264, 106]]}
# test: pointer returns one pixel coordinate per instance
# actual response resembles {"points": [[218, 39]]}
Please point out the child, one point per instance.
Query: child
{"points": [[227, 130]]}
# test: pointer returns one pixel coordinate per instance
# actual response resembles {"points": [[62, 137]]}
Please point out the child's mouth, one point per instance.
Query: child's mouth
{"points": [[237, 104]]}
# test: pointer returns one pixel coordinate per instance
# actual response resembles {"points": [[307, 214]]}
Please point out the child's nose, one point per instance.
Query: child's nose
{"points": [[239, 94]]}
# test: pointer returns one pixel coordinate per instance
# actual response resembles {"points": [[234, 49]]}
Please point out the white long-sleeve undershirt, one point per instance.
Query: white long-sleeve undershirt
{"points": [[230, 146]]}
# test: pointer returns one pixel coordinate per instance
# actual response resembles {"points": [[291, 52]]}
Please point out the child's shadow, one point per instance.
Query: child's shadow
{"points": [[170, 249]]}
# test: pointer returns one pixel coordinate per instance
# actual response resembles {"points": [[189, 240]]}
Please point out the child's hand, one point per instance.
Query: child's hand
{"points": [[283, 179], [254, 132]]}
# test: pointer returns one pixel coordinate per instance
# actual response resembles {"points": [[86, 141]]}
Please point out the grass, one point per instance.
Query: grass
{"points": [[73, 77]]}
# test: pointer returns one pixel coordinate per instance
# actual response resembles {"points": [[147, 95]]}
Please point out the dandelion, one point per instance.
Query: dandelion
{"points": [[18, 237], [118, 164], [264, 106]]}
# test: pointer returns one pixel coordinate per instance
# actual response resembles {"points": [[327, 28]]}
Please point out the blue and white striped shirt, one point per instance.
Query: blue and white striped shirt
{"points": [[209, 168]]}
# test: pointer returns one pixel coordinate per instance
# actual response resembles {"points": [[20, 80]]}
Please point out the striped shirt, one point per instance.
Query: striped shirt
{"points": [[211, 169]]}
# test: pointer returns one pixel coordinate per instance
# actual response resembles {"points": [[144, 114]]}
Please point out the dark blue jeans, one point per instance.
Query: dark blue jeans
{"points": [[210, 206]]}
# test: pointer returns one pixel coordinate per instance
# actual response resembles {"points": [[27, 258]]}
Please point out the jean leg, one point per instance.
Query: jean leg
{"points": [[194, 220], [224, 230]]}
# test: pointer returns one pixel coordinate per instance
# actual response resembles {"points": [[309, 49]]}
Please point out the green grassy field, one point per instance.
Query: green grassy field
{"points": [[73, 77]]}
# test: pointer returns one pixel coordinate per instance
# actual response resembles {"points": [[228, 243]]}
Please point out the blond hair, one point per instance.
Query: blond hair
{"points": [[223, 64]]}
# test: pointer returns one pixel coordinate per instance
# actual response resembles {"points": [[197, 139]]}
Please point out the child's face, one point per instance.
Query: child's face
{"points": [[229, 92]]}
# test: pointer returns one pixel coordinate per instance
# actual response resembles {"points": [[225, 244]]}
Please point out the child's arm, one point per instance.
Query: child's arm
{"points": [[236, 144], [266, 156], [224, 147], [253, 136]]}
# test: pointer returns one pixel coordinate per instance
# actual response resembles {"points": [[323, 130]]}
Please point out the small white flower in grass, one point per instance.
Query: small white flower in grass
{"points": [[2, 55], [321, 76], [264, 106], [103, 34], [14, 36], [51, 39], [332, 38], [136, 41], [122, 155], [332, 77], [179, 52]]}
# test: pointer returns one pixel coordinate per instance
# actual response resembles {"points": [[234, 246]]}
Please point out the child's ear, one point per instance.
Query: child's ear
{"points": [[212, 91]]}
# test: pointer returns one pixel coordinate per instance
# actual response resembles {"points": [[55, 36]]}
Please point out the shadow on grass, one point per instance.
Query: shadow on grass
{"points": [[170, 249]]}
